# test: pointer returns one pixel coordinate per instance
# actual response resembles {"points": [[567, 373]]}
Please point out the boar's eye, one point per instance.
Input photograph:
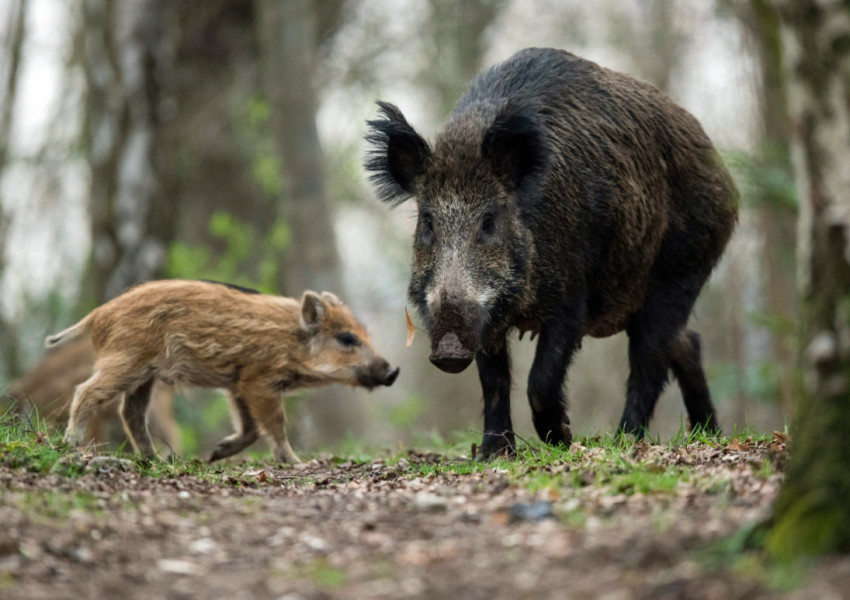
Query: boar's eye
{"points": [[488, 226], [348, 340], [426, 228]]}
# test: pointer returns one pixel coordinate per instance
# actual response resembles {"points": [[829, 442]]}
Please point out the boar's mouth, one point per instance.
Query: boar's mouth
{"points": [[450, 355], [453, 337]]}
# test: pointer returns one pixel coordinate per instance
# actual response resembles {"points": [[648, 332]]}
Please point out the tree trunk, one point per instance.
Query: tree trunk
{"points": [[289, 34], [457, 45], [13, 46], [776, 213], [127, 59], [288, 41], [812, 514], [212, 131]]}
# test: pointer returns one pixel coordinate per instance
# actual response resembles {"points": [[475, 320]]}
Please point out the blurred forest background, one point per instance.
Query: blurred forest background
{"points": [[142, 139]]}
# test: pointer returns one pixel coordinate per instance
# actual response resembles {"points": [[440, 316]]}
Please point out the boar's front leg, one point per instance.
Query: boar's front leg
{"points": [[494, 371], [559, 339]]}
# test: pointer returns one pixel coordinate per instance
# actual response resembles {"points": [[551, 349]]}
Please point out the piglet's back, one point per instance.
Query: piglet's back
{"points": [[143, 316]]}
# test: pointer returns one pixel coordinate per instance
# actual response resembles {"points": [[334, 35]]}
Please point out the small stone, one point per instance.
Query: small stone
{"points": [[531, 511], [178, 567], [202, 546], [428, 501]]}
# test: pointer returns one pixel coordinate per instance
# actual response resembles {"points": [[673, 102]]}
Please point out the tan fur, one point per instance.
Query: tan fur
{"points": [[211, 335], [48, 389]]}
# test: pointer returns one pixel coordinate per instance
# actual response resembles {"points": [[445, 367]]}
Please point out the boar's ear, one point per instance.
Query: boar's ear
{"points": [[313, 310], [515, 146], [397, 156]]}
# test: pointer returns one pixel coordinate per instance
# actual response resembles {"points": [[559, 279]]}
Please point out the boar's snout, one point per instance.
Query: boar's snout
{"points": [[450, 355]]}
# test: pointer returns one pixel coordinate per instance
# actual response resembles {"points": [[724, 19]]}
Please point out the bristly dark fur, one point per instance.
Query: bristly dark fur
{"points": [[396, 156], [563, 199], [516, 146]]}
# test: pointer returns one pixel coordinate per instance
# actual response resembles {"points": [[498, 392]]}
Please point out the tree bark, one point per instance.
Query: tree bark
{"points": [[290, 33], [14, 43], [127, 57], [457, 44], [777, 215], [812, 514]]}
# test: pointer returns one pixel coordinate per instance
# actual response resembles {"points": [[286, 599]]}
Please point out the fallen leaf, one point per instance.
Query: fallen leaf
{"points": [[411, 330], [780, 437], [738, 446]]}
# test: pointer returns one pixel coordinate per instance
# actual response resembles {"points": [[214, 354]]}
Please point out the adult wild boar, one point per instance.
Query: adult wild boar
{"points": [[564, 199]]}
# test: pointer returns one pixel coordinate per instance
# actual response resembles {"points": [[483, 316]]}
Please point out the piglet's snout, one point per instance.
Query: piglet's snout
{"points": [[392, 374], [379, 373]]}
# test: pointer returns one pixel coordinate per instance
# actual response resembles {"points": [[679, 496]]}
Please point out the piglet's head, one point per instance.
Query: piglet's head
{"points": [[339, 349]]}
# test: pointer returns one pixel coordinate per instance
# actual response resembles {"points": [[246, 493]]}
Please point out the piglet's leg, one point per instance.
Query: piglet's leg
{"points": [[243, 438], [134, 409], [264, 404], [112, 377]]}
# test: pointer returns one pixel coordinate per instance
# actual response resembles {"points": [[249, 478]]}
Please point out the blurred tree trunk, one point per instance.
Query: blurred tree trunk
{"points": [[289, 39], [14, 35], [777, 216], [127, 59], [812, 514], [213, 133], [290, 34], [456, 47]]}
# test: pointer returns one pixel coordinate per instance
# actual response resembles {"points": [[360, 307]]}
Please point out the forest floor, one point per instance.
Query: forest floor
{"points": [[602, 519]]}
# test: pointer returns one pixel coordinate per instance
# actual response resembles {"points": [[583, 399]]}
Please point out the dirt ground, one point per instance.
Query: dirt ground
{"points": [[343, 530]]}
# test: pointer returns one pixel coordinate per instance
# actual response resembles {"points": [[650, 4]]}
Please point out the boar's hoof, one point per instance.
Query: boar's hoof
{"points": [[451, 355], [496, 445]]}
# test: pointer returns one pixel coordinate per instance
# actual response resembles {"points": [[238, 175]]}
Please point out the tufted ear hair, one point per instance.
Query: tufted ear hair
{"points": [[516, 147], [313, 311], [397, 155], [331, 298]]}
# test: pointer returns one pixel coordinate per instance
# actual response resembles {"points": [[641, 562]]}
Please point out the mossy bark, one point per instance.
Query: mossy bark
{"points": [[812, 513]]}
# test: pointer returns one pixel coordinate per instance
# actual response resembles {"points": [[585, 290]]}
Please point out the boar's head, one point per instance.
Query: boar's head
{"points": [[472, 248]]}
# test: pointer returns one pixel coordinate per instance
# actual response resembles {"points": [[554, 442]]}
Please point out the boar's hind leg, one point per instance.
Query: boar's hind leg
{"points": [[133, 412], [243, 438], [686, 364], [559, 339], [657, 342], [494, 371]]}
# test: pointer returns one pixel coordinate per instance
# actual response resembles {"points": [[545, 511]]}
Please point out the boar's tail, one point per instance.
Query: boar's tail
{"points": [[72, 333]]}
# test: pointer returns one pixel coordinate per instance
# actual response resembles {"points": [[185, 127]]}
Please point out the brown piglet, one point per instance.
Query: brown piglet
{"points": [[207, 334]]}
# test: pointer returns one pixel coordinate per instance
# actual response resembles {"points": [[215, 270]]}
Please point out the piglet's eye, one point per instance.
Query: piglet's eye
{"points": [[348, 339]]}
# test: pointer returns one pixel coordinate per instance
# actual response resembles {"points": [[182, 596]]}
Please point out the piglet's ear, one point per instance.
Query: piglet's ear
{"points": [[313, 310], [397, 155], [331, 298], [515, 146]]}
